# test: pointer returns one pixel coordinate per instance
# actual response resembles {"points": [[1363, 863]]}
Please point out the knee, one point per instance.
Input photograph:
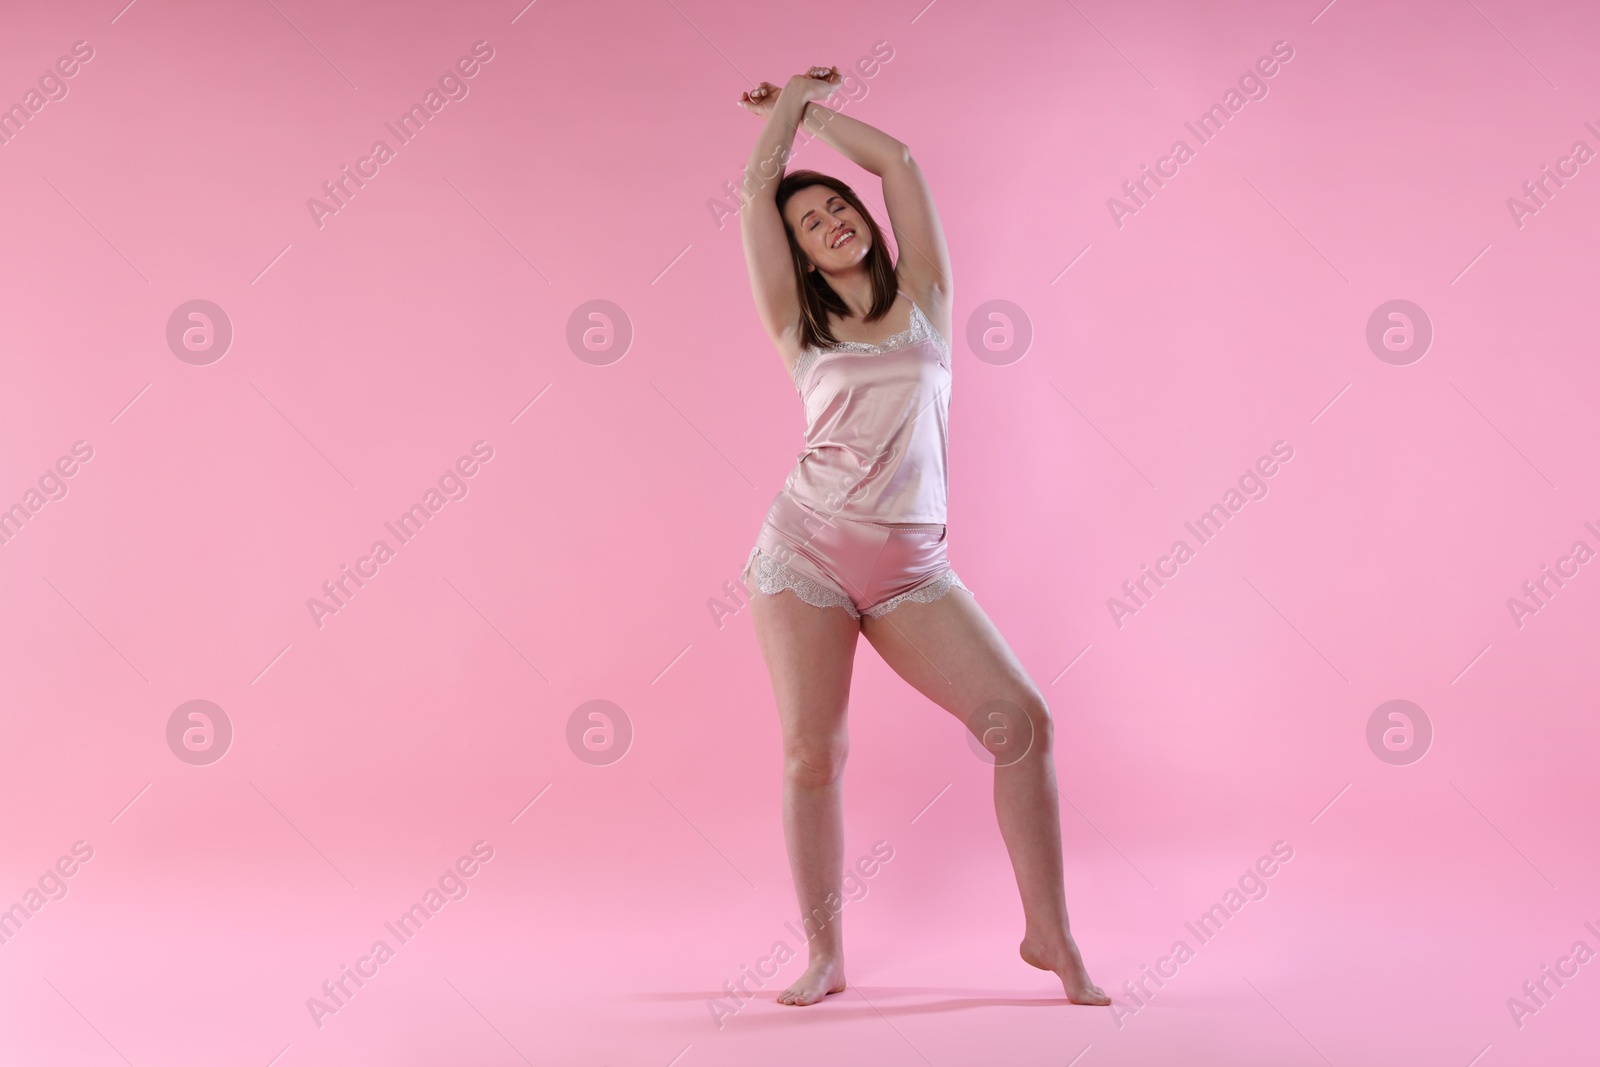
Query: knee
{"points": [[1004, 724], [815, 762], [1044, 727]]}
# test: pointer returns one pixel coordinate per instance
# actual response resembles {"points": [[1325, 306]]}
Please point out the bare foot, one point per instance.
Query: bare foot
{"points": [[824, 976], [1065, 961]]}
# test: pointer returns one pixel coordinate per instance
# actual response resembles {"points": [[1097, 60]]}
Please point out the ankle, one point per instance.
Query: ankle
{"points": [[1053, 945]]}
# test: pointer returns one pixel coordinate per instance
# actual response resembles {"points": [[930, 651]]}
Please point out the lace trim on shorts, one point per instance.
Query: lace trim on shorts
{"points": [[922, 594], [773, 577]]}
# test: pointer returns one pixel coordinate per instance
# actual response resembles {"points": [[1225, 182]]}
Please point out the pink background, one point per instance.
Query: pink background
{"points": [[1167, 355]]}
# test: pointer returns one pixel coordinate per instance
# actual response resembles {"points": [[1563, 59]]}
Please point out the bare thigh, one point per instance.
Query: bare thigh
{"points": [[950, 651], [810, 654]]}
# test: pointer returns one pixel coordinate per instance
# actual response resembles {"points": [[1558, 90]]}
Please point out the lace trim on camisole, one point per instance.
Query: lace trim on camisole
{"points": [[919, 330]]}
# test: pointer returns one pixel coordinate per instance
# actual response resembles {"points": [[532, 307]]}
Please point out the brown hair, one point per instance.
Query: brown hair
{"points": [[817, 297]]}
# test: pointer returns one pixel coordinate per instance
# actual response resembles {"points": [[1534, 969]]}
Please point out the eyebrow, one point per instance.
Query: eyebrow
{"points": [[825, 203]]}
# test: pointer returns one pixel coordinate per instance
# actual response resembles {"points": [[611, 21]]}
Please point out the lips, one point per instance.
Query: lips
{"points": [[838, 242]]}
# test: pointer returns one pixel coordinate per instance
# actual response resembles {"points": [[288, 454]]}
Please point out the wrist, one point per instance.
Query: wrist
{"points": [[816, 116], [792, 104]]}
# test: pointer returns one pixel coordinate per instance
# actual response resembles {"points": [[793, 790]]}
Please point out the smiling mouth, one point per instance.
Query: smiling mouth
{"points": [[838, 242]]}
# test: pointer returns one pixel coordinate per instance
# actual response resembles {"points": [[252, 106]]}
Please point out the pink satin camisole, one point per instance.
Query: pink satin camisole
{"points": [[876, 427]]}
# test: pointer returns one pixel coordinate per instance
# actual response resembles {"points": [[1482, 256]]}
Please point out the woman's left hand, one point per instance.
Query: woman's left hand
{"points": [[760, 100]]}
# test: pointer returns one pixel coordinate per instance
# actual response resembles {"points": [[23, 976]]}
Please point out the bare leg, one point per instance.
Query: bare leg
{"points": [[951, 652], [810, 653]]}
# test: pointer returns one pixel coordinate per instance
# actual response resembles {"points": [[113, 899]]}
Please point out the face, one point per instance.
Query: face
{"points": [[819, 217]]}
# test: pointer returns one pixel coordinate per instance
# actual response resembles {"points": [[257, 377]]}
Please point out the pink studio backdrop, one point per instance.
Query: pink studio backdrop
{"points": [[1118, 371]]}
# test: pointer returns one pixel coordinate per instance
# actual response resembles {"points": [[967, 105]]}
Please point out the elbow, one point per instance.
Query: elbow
{"points": [[899, 158]]}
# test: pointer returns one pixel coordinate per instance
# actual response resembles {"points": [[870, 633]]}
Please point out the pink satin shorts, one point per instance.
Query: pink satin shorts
{"points": [[866, 568]]}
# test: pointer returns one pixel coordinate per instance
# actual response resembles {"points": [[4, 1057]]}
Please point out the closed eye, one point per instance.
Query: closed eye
{"points": [[818, 222]]}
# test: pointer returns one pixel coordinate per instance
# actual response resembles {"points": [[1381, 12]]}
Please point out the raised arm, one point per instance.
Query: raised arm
{"points": [[924, 258], [766, 245]]}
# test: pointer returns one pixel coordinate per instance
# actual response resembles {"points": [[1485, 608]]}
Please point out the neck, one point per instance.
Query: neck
{"points": [[855, 289]]}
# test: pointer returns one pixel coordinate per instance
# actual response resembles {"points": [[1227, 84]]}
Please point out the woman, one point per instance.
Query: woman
{"points": [[855, 541]]}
